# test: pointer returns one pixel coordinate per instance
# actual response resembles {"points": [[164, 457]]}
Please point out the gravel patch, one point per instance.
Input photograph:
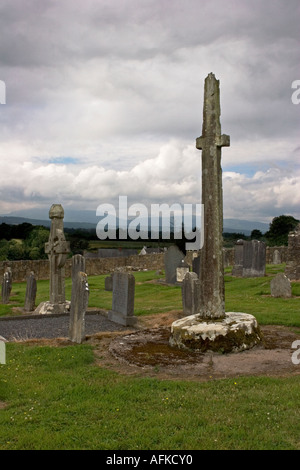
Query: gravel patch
{"points": [[48, 326]]}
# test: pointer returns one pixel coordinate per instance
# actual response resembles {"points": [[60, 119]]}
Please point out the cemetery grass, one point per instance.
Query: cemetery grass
{"points": [[249, 295], [57, 396]]}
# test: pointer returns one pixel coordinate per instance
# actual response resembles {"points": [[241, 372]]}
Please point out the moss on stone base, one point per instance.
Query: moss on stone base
{"points": [[237, 332]]}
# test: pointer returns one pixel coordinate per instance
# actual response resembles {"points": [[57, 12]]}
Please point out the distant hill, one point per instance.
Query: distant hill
{"points": [[88, 220]]}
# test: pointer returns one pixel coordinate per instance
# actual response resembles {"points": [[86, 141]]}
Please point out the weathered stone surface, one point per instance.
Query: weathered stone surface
{"points": [[189, 292], [123, 299], [235, 332], [281, 286], [250, 259], [212, 292], [57, 249], [30, 295], [108, 283], [237, 269], [211, 329], [6, 285], [276, 257], [173, 259], [292, 269], [181, 271], [254, 258], [79, 304]]}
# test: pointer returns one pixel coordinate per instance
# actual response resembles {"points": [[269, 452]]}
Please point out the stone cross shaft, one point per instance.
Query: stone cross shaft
{"points": [[211, 285], [57, 249]]}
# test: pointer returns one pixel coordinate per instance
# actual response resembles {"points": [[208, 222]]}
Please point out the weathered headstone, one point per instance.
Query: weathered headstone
{"points": [[211, 329], [78, 266], [237, 269], [189, 292], [123, 299], [196, 265], [173, 259], [276, 257], [79, 304], [6, 285], [249, 259], [57, 249], [281, 286], [30, 294], [108, 283], [181, 271], [292, 269], [254, 258]]}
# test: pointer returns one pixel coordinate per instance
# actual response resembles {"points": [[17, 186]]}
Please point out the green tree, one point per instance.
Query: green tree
{"points": [[279, 230], [35, 243], [256, 234]]}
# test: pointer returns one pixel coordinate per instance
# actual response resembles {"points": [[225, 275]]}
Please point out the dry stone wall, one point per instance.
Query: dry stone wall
{"points": [[96, 266]]}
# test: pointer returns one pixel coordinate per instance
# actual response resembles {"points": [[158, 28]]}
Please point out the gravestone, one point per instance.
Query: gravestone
{"points": [[30, 295], [57, 249], [122, 311], [108, 283], [292, 269], [237, 269], [281, 286], [78, 265], [79, 304], [196, 265], [211, 329], [250, 259], [173, 259], [189, 292], [6, 285], [254, 258], [276, 257], [181, 271]]}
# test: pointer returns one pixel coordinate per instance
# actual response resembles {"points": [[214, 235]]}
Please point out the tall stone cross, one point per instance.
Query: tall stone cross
{"points": [[211, 295], [57, 249]]}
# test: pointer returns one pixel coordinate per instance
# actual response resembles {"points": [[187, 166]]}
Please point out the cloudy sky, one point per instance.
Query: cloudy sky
{"points": [[104, 98]]}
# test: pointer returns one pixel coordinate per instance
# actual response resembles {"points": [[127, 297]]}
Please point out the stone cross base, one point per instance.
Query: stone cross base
{"points": [[236, 332], [46, 308]]}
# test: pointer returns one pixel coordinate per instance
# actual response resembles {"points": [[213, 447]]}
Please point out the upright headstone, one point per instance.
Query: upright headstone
{"points": [[6, 285], [30, 295], [79, 304], [212, 291], [108, 283], [237, 269], [78, 265], [122, 311], [196, 265], [173, 259], [254, 258], [181, 271], [281, 286], [276, 257], [292, 269], [189, 291], [57, 249]]}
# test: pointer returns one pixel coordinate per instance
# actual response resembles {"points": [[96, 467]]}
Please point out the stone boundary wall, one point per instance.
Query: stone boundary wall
{"points": [[96, 266]]}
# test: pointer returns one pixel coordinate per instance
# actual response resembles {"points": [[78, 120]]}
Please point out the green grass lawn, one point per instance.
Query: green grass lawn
{"points": [[60, 398]]}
